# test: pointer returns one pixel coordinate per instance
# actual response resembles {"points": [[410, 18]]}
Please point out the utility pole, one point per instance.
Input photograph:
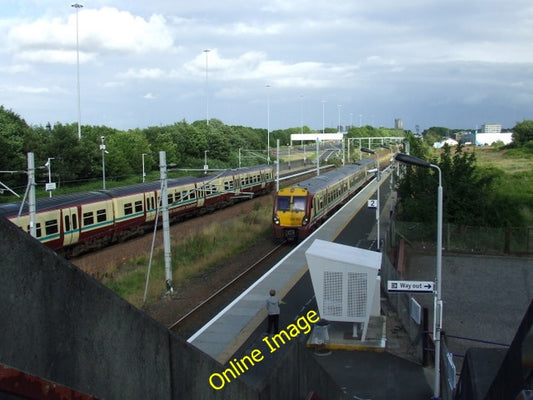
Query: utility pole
{"points": [[166, 221], [31, 200]]}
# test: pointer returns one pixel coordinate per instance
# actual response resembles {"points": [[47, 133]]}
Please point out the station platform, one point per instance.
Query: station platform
{"points": [[229, 330], [340, 336]]}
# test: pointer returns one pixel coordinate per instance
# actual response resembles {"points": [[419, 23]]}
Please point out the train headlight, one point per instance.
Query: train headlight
{"points": [[305, 221], [275, 219]]}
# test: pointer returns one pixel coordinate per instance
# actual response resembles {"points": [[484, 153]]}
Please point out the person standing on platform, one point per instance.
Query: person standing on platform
{"points": [[272, 306]]}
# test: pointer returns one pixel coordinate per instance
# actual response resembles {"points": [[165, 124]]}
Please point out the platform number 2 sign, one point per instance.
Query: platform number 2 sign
{"points": [[373, 203]]}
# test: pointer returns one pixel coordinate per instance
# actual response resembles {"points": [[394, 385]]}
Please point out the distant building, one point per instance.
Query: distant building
{"points": [[466, 137], [449, 142], [491, 128], [398, 124], [487, 139]]}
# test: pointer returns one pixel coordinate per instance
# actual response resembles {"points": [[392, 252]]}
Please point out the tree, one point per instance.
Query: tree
{"points": [[470, 194], [75, 161], [523, 132], [13, 130]]}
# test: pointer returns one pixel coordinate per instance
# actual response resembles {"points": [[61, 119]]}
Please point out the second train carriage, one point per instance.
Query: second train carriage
{"points": [[301, 208], [75, 223]]}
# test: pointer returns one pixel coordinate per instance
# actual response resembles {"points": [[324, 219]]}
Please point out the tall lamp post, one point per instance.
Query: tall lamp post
{"points": [[323, 121], [206, 51], [437, 303], [378, 179], [268, 124], [77, 7], [339, 107]]}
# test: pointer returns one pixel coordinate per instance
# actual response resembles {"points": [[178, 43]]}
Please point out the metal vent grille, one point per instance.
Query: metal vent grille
{"points": [[333, 293], [357, 294]]}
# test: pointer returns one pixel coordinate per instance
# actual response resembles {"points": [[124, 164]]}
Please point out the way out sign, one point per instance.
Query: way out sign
{"points": [[410, 286]]}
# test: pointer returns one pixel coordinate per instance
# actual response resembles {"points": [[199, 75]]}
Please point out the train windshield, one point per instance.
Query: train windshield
{"points": [[284, 203], [298, 203]]}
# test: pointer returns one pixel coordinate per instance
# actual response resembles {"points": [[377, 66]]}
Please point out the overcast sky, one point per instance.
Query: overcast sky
{"points": [[451, 63]]}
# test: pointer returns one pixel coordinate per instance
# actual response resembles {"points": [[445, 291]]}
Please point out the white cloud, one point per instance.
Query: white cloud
{"points": [[143, 73], [380, 59], [100, 31]]}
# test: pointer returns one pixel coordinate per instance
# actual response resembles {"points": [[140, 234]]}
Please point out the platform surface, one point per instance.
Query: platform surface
{"points": [[227, 331]]}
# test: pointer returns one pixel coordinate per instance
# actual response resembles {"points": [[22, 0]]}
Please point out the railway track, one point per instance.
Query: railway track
{"points": [[197, 317]]}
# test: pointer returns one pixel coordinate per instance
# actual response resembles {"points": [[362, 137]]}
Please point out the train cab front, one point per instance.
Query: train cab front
{"points": [[290, 216]]}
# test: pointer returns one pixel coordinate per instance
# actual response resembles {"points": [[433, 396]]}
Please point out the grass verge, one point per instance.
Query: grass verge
{"points": [[191, 256]]}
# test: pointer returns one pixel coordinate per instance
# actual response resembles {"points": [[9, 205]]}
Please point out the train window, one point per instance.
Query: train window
{"points": [[74, 221], [184, 195], [138, 206], [128, 209], [298, 203], [88, 218], [38, 232], [210, 189], [283, 203], [192, 194], [170, 198], [51, 227], [101, 215], [178, 197], [67, 223]]}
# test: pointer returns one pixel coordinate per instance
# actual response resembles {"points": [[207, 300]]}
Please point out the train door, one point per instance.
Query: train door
{"points": [[71, 226], [150, 206], [200, 194]]}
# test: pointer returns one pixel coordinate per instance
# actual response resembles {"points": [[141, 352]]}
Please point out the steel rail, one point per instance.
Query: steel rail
{"points": [[225, 287]]}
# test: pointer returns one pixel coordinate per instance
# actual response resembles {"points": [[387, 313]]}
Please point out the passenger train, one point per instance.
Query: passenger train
{"points": [[76, 223], [299, 209]]}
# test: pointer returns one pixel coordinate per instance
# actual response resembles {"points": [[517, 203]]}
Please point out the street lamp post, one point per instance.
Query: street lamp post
{"points": [[77, 7], [437, 304], [339, 107], [144, 173], [205, 162], [323, 121], [104, 151], [49, 166], [268, 124], [378, 179], [301, 115]]}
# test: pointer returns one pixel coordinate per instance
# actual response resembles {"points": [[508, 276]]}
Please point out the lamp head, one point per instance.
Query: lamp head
{"points": [[412, 160]]}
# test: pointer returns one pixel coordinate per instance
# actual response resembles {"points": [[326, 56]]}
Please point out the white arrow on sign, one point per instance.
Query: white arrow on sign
{"points": [[411, 286]]}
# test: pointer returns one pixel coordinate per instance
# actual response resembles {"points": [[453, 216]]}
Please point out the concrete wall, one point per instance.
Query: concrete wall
{"points": [[59, 324]]}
